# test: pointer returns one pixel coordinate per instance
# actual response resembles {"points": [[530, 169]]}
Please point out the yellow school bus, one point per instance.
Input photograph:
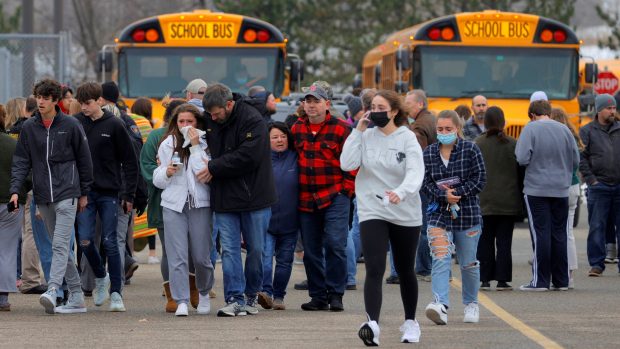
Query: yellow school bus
{"points": [[503, 56], [161, 54]]}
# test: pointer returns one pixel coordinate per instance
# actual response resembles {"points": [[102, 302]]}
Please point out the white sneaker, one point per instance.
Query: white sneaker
{"points": [[102, 289], [116, 302], [472, 313], [153, 260], [204, 304], [75, 304], [48, 300], [369, 333], [411, 331], [437, 313], [181, 309]]}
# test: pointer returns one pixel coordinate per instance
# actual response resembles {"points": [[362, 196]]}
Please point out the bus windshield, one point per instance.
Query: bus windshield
{"points": [[497, 72], [153, 72]]}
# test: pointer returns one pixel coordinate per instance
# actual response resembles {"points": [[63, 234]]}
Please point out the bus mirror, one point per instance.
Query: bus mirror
{"points": [[402, 58], [297, 70], [586, 102], [401, 86], [104, 61], [591, 71], [357, 81]]}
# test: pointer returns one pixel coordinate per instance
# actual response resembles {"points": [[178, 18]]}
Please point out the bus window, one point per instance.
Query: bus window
{"points": [[154, 67], [153, 71], [498, 72]]}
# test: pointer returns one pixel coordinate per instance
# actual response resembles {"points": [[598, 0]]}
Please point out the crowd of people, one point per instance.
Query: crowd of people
{"points": [[388, 176]]}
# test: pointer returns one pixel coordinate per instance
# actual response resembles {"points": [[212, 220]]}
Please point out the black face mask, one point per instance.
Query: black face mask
{"points": [[379, 118]]}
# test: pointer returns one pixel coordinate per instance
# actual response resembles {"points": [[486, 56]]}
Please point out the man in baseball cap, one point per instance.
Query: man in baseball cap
{"points": [[194, 92], [330, 96], [317, 92], [324, 191]]}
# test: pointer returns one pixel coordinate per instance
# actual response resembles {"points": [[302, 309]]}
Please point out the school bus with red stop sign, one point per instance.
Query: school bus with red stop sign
{"points": [[159, 55], [501, 55]]}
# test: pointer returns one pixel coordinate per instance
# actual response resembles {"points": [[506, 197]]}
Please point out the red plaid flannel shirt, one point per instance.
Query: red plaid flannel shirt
{"points": [[320, 176]]}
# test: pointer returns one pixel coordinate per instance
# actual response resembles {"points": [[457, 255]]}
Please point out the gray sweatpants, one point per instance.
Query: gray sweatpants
{"points": [[186, 231], [10, 230], [59, 218]]}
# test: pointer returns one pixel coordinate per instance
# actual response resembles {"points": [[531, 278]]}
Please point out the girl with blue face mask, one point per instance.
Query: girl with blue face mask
{"points": [[454, 175]]}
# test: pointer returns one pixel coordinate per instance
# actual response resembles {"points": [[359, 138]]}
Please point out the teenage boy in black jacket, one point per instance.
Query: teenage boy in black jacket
{"points": [[54, 147], [111, 149]]}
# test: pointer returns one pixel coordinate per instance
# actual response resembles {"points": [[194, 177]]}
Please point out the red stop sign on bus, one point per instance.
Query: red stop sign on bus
{"points": [[607, 83]]}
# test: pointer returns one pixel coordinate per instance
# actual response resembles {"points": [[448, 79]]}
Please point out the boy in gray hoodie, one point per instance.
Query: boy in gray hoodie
{"points": [[550, 154]]}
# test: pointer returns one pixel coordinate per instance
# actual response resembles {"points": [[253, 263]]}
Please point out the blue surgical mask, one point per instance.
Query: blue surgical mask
{"points": [[446, 138]]}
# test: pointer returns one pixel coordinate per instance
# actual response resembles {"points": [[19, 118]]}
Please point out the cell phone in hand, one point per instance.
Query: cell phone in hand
{"points": [[11, 206]]}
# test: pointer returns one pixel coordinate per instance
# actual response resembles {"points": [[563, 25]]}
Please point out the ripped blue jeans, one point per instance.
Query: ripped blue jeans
{"points": [[442, 244]]}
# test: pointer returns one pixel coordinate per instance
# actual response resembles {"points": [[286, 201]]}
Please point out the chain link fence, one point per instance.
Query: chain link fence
{"points": [[27, 58]]}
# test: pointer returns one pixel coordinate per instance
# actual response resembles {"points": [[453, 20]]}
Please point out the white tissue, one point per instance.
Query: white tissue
{"points": [[184, 131]]}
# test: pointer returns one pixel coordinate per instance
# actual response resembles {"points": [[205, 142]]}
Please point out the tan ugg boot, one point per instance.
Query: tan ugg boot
{"points": [[171, 305], [193, 291]]}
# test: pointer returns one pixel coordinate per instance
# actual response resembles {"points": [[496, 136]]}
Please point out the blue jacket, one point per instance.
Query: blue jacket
{"points": [[284, 214]]}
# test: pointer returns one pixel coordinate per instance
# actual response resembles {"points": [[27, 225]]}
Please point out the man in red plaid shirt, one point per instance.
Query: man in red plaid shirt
{"points": [[324, 200]]}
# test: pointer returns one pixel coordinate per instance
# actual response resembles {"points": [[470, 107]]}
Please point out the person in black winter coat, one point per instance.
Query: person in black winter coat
{"points": [[242, 191]]}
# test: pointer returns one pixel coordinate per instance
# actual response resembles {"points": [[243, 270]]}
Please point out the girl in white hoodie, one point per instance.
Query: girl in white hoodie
{"points": [[186, 206], [391, 170]]}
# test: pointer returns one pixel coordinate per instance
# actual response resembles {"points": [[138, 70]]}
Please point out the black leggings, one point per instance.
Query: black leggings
{"points": [[375, 235]]}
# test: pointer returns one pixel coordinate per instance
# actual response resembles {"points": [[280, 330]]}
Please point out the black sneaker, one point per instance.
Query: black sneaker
{"points": [[335, 302], [393, 279], [485, 286], [131, 268], [503, 286], [302, 286], [39, 289], [315, 304]]}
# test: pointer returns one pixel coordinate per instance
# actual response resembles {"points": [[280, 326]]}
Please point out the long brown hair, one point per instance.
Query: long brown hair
{"points": [[494, 123], [559, 115], [396, 103], [173, 129], [143, 107]]}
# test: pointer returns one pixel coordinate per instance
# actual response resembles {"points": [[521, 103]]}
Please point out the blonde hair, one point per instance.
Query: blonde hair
{"points": [[14, 110], [559, 115], [456, 120], [74, 107]]}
